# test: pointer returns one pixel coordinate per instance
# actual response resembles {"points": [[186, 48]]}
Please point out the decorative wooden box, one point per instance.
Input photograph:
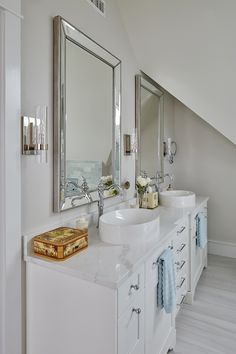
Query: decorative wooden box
{"points": [[150, 200], [60, 243]]}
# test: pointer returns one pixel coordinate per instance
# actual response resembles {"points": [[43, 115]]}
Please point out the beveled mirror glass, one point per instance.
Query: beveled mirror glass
{"points": [[87, 103], [149, 125]]}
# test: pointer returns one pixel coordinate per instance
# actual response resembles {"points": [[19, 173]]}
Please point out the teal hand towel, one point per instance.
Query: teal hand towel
{"points": [[166, 292], [201, 238]]}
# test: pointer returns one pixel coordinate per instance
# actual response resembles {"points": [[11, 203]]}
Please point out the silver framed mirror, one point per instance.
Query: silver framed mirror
{"points": [[87, 115], [149, 126]]}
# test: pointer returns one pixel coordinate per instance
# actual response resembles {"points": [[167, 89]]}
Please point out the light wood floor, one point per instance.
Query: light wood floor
{"points": [[209, 325]]}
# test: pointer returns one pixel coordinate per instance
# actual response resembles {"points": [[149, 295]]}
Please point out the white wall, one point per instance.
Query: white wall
{"points": [[37, 69], [12, 5], [187, 46], [206, 164], [10, 212]]}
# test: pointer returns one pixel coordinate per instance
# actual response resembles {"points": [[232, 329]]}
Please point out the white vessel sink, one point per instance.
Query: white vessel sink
{"points": [[129, 226], [177, 199]]}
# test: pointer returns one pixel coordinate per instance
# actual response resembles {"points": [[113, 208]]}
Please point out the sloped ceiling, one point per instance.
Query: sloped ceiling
{"points": [[189, 48]]}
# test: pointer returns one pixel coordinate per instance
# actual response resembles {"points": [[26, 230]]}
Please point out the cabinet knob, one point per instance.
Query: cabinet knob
{"points": [[138, 311], [135, 287]]}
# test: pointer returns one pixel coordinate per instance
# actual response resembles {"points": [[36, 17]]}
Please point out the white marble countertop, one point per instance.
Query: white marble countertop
{"points": [[110, 265]]}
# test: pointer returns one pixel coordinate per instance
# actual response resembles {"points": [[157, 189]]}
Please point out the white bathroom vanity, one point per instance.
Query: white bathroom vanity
{"points": [[104, 299]]}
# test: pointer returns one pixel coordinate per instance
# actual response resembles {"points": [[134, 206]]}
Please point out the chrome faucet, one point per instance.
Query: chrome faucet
{"points": [[159, 178], [159, 181], [83, 194], [101, 189], [170, 180], [85, 189]]}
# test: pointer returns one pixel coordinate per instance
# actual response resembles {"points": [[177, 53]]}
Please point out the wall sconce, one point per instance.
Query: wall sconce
{"points": [[170, 150], [127, 144], [130, 143], [35, 134]]}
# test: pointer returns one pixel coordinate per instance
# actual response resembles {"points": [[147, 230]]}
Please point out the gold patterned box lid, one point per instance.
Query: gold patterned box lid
{"points": [[60, 236]]}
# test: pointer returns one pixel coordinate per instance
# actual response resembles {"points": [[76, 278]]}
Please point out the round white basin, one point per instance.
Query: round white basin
{"points": [[177, 199], [129, 226]]}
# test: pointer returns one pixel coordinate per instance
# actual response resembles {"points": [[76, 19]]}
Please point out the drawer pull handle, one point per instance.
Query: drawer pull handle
{"points": [[181, 230], [181, 283], [181, 248], [182, 300], [135, 287], [180, 265], [138, 311]]}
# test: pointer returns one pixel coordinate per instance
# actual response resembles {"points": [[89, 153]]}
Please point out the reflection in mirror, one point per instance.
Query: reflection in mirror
{"points": [[149, 123], [87, 117], [88, 154]]}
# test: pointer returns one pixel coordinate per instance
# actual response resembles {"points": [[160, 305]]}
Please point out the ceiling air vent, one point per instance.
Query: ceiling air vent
{"points": [[99, 5]]}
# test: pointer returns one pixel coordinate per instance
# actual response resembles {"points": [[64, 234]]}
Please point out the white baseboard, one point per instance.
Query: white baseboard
{"points": [[221, 248]]}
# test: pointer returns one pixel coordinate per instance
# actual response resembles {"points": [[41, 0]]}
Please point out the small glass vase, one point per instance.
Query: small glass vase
{"points": [[142, 202]]}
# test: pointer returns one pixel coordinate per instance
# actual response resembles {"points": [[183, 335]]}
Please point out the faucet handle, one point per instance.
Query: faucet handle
{"points": [[159, 175], [143, 173], [84, 185], [101, 187]]}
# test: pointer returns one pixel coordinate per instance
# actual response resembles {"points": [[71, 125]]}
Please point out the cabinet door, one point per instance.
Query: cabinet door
{"points": [[131, 328], [158, 323], [197, 253], [130, 289], [204, 251]]}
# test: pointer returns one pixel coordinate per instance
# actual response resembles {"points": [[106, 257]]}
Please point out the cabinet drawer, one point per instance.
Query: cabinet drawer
{"points": [[181, 266], [181, 237], [131, 328], [130, 290], [181, 251], [181, 281], [181, 230]]}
